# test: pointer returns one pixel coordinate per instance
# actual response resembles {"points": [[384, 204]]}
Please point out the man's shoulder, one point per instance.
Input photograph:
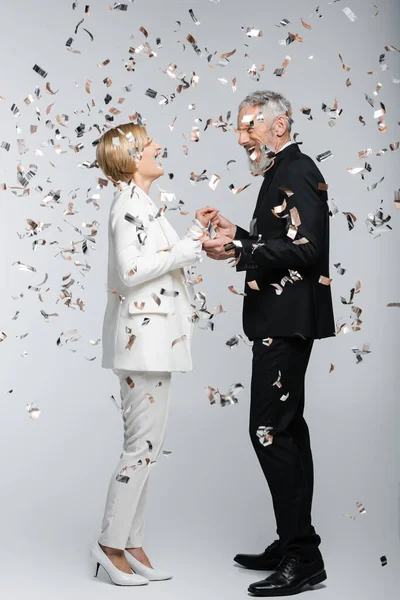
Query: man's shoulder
{"points": [[298, 164]]}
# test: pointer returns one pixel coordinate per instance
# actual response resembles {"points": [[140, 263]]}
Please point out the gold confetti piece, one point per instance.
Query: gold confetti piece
{"points": [[291, 37], [302, 240], [211, 393], [393, 304], [104, 63], [228, 54], [355, 170], [130, 342], [264, 437], [383, 560], [59, 120], [343, 65], [324, 280], [267, 341], [156, 299], [33, 411], [278, 381], [332, 367], [351, 219], [3, 336], [348, 516], [49, 90], [282, 71], [234, 291], [253, 285], [361, 508], [365, 153], [306, 25], [323, 186], [382, 125], [295, 217], [284, 397], [166, 452], [180, 339], [277, 210]]}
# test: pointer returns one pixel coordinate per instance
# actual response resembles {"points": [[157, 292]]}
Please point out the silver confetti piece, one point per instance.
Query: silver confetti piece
{"points": [[265, 438]]}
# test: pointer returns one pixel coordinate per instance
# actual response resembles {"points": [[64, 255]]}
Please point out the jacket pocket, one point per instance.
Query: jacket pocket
{"points": [[157, 305]]}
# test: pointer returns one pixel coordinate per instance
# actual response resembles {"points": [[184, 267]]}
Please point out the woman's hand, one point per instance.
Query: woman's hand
{"points": [[205, 215], [205, 237]]}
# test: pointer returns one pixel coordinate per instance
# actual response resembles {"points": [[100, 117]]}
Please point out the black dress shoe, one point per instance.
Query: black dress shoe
{"points": [[291, 577], [266, 561]]}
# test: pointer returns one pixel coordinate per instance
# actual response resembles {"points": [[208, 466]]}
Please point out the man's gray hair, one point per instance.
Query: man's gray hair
{"points": [[272, 105]]}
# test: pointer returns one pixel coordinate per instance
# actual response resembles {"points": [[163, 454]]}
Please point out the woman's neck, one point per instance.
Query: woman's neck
{"points": [[143, 182]]}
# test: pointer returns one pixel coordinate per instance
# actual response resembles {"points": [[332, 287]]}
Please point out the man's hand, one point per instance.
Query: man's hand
{"points": [[223, 226], [205, 215], [215, 248]]}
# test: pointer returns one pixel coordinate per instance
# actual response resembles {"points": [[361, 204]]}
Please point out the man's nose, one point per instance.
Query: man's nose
{"points": [[243, 138]]}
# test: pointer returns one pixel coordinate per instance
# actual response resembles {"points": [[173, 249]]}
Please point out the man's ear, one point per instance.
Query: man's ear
{"points": [[281, 125]]}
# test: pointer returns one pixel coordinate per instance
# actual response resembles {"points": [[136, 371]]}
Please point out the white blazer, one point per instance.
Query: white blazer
{"points": [[147, 323]]}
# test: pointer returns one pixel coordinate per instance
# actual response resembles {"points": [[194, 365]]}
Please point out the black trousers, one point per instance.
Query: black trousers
{"points": [[287, 460]]}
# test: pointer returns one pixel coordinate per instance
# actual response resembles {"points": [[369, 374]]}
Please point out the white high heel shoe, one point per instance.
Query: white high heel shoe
{"points": [[141, 569], [118, 577]]}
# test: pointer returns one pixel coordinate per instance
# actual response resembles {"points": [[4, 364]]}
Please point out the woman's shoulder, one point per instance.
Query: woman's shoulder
{"points": [[132, 196], [131, 203]]}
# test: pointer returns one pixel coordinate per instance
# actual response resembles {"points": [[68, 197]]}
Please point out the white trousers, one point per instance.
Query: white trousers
{"points": [[145, 402]]}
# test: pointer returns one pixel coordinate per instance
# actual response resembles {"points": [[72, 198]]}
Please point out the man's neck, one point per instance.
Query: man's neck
{"points": [[282, 144]]}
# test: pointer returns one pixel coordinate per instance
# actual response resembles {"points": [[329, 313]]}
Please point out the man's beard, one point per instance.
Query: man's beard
{"points": [[257, 167]]}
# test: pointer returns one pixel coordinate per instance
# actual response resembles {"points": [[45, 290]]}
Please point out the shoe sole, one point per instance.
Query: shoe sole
{"points": [[271, 567], [315, 580]]}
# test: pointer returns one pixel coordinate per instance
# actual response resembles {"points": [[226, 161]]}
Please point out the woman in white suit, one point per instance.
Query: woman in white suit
{"points": [[146, 336]]}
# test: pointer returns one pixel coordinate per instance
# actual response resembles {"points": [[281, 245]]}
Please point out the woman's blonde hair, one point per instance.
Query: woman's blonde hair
{"points": [[119, 149]]}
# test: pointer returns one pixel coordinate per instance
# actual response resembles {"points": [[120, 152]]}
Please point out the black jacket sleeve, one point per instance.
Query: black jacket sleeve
{"points": [[302, 179], [241, 234]]}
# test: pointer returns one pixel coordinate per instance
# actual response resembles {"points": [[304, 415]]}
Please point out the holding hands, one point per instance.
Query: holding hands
{"points": [[224, 229]]}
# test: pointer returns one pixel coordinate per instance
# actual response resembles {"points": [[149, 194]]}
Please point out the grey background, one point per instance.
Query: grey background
{"points": [[208, 499]]}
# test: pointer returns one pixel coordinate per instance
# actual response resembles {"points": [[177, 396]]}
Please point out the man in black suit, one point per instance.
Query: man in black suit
{"points": [[287, 306]]}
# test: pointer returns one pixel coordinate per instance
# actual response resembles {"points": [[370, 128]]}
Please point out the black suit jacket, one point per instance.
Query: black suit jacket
{"points": [[304, 306]]}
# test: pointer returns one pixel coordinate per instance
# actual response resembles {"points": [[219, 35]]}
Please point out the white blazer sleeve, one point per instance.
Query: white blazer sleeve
{"points": [[135, 264]]}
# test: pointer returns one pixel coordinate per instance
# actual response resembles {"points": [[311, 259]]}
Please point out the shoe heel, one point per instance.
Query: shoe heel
{"points": [[317, 579], [97, 565]]}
